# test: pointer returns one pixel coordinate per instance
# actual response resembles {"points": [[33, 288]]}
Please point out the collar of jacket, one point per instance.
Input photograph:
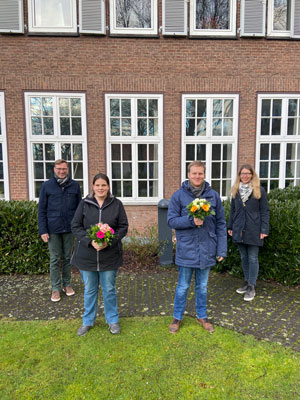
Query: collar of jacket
{"points": [[185, 186], [91, 200]]}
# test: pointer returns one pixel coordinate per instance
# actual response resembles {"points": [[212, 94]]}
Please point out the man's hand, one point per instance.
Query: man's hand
{"points": [[263, 235], [97, 247], [229, 232], [219, 259], [45, 237], [198, 221]]}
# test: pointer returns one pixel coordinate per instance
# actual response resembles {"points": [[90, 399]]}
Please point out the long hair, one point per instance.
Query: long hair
{"points": [[105, 178], [255, 182]]}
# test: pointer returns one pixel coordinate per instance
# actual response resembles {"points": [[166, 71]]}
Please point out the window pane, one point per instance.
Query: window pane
{"points": [[276, 124], [127, 171], [116, 152], [201, 127], [142, 152], [47, 106], [274, 169], [274, 184], [142, 189], [217, 127], [226, 186], [290, 151], [35, 105], [201, 108], [216, 152], [217, 108], [201, 152], [228, 127], [133, 14], [216, 185], [281, 15], [264, 169], [190, 127], [142, 170], [293, 107], [75, 107], [127, 152], [49, 151], [264, 151], [36, 125], [64, 107], [153, 127], [78, 170], [76, 126], [266, 107], [292, 126], [289, 169], [49, 170], [226, 170], [153, 188], [153, 152], [48, 126], [115, 127], [190, 148], [153, 170], [228, 108], [142, 107], [153, 108], [277, 107], [115, 107], [116, 188], [37, 188], [53, 14], [37, 151], [275, 151], [77, 152], [190, 108], [1, 170], [211, 14], [125, 104], [126, 127], [65, 126], [127, 189], [66, 151], [142, 127], [265, 126], [116, 170], [227, 152], [216, 170], [1, 153]]}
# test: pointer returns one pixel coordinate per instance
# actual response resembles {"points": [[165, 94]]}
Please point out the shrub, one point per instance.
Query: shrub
{"points": [[279, 258], [21, 248]]}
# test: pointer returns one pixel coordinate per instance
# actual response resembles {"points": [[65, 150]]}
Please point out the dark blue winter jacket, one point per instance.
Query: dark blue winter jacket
{"points": [[197, 247], [57, 206]]}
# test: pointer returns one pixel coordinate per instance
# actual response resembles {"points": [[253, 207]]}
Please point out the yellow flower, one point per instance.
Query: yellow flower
{"points": [[205, 207], [194, 209]]}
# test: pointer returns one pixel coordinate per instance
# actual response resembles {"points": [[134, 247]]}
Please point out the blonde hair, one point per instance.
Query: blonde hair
{"points": [[255, 182], [196, 163]]}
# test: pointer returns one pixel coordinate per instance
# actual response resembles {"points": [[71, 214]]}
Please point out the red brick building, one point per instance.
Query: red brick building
{"points": [[138, 89]]}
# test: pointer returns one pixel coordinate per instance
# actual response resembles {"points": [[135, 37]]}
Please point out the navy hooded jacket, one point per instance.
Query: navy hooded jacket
{"points": [[197, 247], [57, 206]]}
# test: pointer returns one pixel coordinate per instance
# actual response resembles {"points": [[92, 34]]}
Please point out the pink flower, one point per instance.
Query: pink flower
{"points": [[112, 231], [100, 235]]}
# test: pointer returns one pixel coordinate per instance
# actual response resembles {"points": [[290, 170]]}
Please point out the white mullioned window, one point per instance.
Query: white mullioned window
{"points": [[133, 17], [279, 18], [278, 140], [213, 17], [134, 128], [4, 183], [209, 134], [52, 16], [56, 128]]}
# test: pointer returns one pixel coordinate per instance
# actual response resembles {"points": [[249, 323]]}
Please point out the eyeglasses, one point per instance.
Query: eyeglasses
{"points": [[61, 169], [245, 173]]}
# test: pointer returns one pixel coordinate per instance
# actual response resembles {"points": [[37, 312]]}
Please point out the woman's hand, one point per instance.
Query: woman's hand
{"points": [[219, 259], [97, 247], [263, 235], [229, 232], [198, 221]]}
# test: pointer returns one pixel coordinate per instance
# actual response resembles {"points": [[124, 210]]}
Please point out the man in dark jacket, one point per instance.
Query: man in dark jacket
{"points": [[58, 201], [199, 243]]}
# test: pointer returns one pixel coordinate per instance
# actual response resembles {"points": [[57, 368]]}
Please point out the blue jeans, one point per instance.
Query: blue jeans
{"points": [[249, 257], [60, 249], [91, 280], [184, 281]]}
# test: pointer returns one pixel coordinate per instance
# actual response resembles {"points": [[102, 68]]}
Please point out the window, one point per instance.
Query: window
{"points": [[278, 140], [11, 16], [135, 147], [4, 186], [209, 134], [213, 17], [279, 23], [56, 128], [52, 16], [133, 17]]}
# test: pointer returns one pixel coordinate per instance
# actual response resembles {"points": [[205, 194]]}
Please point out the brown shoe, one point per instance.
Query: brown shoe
{"points": [[206, 325], [55, 296], [174, 327], [68, 291]]}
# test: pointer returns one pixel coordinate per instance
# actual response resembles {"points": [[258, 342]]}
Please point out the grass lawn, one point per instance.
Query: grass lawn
{"points": [[46, 360]]}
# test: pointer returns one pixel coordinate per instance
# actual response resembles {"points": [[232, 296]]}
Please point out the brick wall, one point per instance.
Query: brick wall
{"points": [[167, 65]]}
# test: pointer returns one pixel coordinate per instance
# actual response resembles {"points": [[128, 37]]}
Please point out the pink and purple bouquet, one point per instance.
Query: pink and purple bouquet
{"points": [[101, 233]]}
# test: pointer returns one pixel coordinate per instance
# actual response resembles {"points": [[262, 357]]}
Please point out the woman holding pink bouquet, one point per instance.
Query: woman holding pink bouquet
{"points": [[99, 224]]}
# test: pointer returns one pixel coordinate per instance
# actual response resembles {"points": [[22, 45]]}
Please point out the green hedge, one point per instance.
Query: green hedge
{"points": [[21, 248], [279, 258]]}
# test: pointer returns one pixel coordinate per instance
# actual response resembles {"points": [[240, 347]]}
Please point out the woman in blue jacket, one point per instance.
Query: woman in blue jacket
{"points": [[248, 224], [198, 243]]}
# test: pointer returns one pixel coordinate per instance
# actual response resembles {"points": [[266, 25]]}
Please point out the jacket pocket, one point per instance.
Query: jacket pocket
{"points": [[212, 245]]}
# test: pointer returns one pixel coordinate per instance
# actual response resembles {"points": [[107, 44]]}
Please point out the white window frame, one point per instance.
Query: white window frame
{"points": [[134, 139], [270, 31], [213, 32], [114, 30], [281, 139], [3, 141], [209, 140], [55, 139], [38, 29]]}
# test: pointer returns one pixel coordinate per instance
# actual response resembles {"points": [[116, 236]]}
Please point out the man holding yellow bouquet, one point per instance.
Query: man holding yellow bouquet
{"points": [[197, 215]]}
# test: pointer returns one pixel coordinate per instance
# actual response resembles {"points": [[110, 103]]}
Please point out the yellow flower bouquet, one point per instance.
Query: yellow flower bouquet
{"points": [[200, 208]]}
